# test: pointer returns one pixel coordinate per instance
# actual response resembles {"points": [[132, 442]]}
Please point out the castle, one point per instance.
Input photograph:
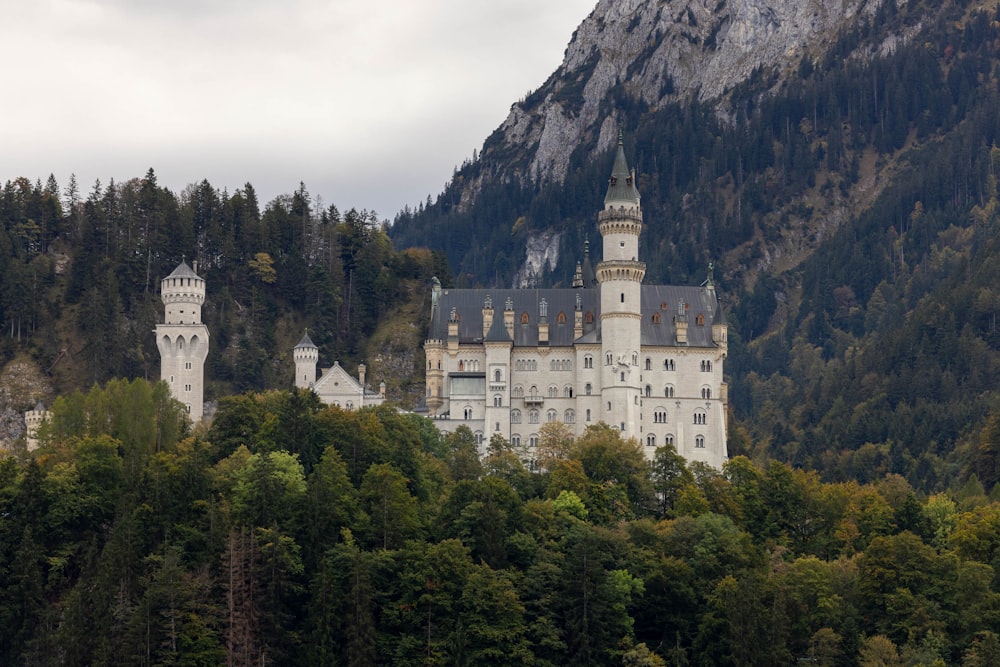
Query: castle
{"points": [[335, 386], [645, 359], [183, 339]]}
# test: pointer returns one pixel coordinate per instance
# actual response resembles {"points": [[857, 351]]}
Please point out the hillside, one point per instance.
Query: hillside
{"points": [[835, 161], [80, 283]]}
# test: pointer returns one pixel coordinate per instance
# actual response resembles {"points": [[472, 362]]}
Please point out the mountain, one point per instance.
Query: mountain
{"points": [[835, 160]]}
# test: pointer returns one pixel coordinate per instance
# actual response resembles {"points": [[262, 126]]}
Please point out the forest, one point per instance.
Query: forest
{"points": [[80, 280], [851, 211], [289, 532]]}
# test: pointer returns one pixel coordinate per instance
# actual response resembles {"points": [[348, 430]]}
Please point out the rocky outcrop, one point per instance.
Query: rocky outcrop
{"points": [[22, 385], [656, 51]]}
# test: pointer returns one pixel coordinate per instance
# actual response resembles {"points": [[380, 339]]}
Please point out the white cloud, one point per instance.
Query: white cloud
{"points": [[370, 103]]}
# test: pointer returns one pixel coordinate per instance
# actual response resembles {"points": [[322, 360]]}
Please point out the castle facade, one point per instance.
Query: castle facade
{"points": [[645, 359]]}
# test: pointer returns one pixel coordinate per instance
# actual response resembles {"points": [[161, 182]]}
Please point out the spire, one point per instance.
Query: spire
{"points": [[621, 187], [306, 341], [589, 277]]}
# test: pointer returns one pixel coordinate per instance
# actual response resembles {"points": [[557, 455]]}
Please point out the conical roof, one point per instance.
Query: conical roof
{"points": [[306, 342], [621, 187], [183, 271]]}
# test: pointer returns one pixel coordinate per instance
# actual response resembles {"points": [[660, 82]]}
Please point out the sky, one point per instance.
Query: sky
{"points": [[372, 104]]}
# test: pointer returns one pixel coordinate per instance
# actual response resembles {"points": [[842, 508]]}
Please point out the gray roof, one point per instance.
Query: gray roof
{"points": [[621, 188], [306, 342], [663, 300], [183, 271]]}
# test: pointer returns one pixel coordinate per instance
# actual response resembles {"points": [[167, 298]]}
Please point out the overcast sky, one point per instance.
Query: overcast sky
{"points": [[370, 103]]}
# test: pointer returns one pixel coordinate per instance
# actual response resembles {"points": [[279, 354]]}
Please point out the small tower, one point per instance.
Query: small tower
{"points": [[306, 356], [182, 339], [33, 420]]}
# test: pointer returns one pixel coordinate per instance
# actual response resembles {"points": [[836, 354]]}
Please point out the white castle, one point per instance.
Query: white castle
{"points": [[335, 386], [183, 339], [645, 359]]}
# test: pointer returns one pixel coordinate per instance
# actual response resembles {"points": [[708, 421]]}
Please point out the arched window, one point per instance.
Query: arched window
{"points": [[660, 416], [648, 391], [609, 406], [656, 318], [496, 375], [588, 361], [706, 366], [588, 388], [524, 318], [553, 391], [518, 391], [532, 441], [700, 320], [706, 392], [479, 437], [568, 391], [561, 318], [608, 359], [668, 391], [497, 401], [515, 416], [551, 416], [700, 417], [699, 442], [623, 376], [589, 318], [668, 439], [651, 440], [461, 366], [515, 440], [668, 364], [467, 412], [635, 358], [649, 364], [588, 415], [569, 417], [533, 416]]}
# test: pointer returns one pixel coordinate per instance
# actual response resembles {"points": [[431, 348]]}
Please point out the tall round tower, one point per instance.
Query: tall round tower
{"points": [[306, 356], [620, 277], [182, 338]]}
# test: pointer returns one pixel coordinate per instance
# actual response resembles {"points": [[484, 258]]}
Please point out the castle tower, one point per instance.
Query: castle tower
{"points": [[182, 338], [33, 420], [619, 276], [306, 356]]}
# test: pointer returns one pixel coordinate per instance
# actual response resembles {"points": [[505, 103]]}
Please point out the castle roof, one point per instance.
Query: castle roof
{"points": [[659, 304], [306, 342], [183, 271], [621, 187]]}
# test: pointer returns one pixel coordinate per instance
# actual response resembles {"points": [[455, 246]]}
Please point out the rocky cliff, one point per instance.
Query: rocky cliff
{"points": [[657, 51]]}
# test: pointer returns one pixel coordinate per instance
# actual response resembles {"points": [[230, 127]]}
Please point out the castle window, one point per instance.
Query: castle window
{"points": [[561, 318], [649, 364], [588, 388], [623, 376], [608, 359], [518, 391], [589, 318], [609, 406], [651, 440], [533, 417], [569, 417], [467, 412], [515, 440], [656, 318], [496, 376], [553, 391], [706, 392], [700, 417], [648, 391], [706, 366], [479, 437], [623, 297], [588, 415], [515, 416], [700, 320], [551, 416], [588, 361], [187, 387], [668, 439], [461, 366], [668, 364], [699, 442], [660, 416], [350, 405], [532, 441], [568, 391], [668, 391], [497, 401], [497, 427], [524, 318]]}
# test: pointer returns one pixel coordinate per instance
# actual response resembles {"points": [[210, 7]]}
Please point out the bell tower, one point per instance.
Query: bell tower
{"points": [[620, 275], [182, 338]]}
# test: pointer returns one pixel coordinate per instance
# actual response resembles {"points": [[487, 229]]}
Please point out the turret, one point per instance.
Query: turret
{"points": [[182, 339], [306, 356]]}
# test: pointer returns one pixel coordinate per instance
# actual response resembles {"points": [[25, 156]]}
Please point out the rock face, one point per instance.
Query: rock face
{"points": [[542, 258], [658, 51]]}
